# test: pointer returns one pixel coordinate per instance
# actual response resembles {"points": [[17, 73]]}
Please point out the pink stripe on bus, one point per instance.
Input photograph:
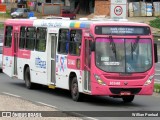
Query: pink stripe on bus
{"points": [[24, 54]]}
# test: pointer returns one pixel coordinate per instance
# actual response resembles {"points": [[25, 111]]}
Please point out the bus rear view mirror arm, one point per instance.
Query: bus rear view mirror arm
{"points": [[92, 46], [155, 53]]}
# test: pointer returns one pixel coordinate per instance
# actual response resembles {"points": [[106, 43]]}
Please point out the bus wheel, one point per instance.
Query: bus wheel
{"points": [[127, 99], [27, 78], [76, 96]]}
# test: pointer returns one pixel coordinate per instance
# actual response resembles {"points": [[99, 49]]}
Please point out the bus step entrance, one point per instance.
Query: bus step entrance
{"points": [[52, 86], [15, 77]]}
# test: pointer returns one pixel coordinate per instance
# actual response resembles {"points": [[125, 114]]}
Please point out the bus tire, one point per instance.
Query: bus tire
{"points": [[27, 79], [76, 96], [128, 99]]}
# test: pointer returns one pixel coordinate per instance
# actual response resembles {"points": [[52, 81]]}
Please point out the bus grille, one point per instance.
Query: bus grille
{"points": [[125, 77], [119, 90]]}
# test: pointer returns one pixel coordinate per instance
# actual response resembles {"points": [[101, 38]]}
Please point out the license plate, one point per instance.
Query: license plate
{"points": [[125, 93]]}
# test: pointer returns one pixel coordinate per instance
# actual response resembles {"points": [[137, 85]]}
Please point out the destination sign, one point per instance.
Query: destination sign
{"points": [[122, 30]]}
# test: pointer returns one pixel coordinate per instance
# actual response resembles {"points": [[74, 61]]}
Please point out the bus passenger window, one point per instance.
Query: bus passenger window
{"points": [[75, 42], [8, 36], [41, 39], [63, 41], [88, 53], [30, 38], [22, 38]]}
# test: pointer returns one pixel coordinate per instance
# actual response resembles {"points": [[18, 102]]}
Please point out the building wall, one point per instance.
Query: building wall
{"points": [[102, 7]]}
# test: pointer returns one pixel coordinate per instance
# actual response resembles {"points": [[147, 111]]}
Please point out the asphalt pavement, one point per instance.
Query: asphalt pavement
{"points": [[60, 99]]}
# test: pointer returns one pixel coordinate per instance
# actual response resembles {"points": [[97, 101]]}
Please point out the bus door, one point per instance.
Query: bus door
{"points": [[87, 66], [15, 53], [53, 43]]}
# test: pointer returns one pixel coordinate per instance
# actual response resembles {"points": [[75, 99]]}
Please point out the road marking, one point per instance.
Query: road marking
{"points": [[92, 118], [11, 94], [81, 115], [47, 105], [72, 112]]}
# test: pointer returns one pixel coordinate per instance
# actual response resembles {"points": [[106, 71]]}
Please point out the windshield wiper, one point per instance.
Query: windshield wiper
{"points": [[134, 46], [113, 46]]}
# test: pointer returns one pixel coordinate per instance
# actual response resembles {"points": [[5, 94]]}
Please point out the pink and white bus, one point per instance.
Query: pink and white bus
{"points": [[105, 58]]}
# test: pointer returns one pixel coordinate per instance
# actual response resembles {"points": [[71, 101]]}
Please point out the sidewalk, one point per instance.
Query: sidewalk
{"points": [[9, 103]]}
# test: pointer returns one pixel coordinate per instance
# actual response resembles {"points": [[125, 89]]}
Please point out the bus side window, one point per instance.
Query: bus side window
{"points": [[88, 53], [63, 41], [41, 39], [75, 42], [22, 37], [8, 36], [30, 38]]}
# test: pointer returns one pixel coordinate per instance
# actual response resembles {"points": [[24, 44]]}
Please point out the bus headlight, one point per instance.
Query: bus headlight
{"points": [[99, 80], [149, 80]]}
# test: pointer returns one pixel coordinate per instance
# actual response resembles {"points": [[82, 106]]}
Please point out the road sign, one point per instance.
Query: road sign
{"points": [[118, 9]]}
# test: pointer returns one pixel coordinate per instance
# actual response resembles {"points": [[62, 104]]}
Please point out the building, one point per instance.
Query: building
{"points": [[134, 7], [98, 7]]}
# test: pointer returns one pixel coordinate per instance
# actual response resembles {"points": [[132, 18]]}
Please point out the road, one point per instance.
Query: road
{"points": [[61, 99]]}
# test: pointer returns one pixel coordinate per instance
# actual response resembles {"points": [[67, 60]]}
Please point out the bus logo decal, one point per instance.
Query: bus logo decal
{"points": [[51, 24], [39, 63], [125, 83], [6, 58], [62, 63], [71, 62]]}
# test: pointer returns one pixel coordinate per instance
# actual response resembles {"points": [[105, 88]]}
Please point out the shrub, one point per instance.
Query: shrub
{"points": [[157, 86], [155, 23]]}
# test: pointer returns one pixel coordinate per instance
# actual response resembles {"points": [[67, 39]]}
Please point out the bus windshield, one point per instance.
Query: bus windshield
{"points": [[123, 55]]}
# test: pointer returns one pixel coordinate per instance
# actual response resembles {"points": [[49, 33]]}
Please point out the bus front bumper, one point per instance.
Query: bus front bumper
{"points": [[122, 90]]}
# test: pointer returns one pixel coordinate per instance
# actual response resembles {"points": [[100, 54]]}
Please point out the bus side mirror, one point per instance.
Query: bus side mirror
{"points": [[155, 53], [92, 46]]}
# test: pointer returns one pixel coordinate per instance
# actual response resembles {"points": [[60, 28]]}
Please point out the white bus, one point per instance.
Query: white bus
{"points": [[89, 57]]}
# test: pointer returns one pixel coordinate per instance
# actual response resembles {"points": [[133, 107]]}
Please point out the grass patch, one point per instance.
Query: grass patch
{"points": [[157, 87], [1, 25], [5, 15], [155, 23]]}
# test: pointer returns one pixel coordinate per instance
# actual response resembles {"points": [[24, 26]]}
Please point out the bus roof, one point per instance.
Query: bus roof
{"points": [[28, 22], [59, 23], [79, 23], [121, 23]]}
